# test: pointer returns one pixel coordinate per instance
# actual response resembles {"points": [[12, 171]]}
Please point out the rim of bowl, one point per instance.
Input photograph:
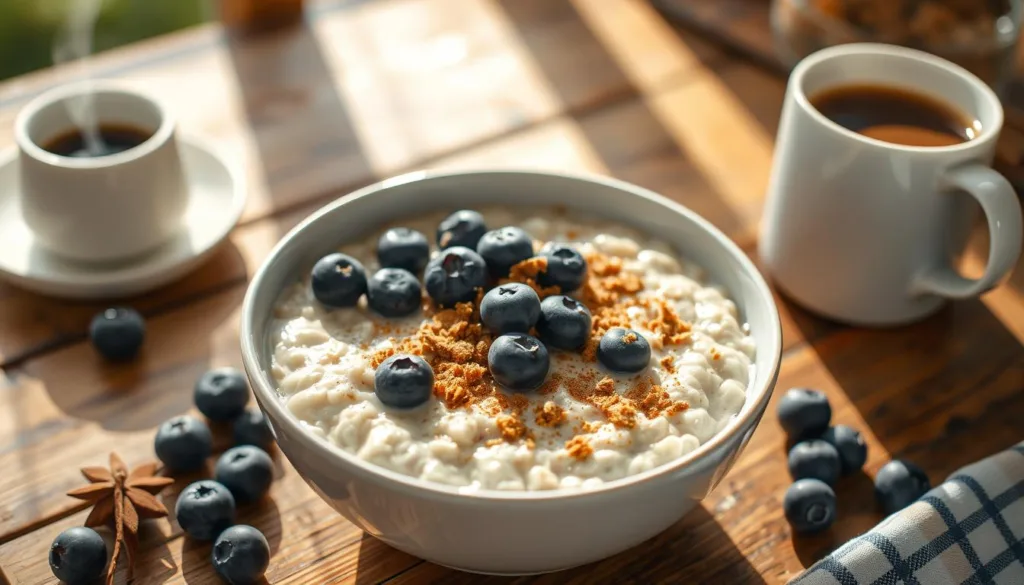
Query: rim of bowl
{"points": [[268, 399]]}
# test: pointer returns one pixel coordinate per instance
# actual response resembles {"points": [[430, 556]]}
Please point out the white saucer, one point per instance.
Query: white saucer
{"points": [[216, 200]]}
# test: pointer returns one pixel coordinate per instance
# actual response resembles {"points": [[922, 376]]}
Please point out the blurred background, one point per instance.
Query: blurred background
{"points": [[28, 27]]}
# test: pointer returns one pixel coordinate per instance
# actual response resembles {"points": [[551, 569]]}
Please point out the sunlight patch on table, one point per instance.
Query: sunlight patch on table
{"points": [[422, 77]]}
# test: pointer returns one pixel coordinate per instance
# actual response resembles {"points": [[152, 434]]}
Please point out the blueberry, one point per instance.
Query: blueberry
{"points": [[454, 275], [804, 413], [393, 292], [183, 443], [117, 334], [403, 248], [403, 381], [247, 471], [898, 484], [510, 308], [251, 428], [810, 505], [503, 248], [815, 459], [78, 556], [462, 228], [241, 555], [221, 394], [566, 267], [623, 350], [338, 280], [518, 362], [564, 322], [204, 509], [853, 451]]}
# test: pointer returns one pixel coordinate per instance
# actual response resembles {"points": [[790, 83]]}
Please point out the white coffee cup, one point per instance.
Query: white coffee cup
{"points": [[104, 208], [865, 231]]}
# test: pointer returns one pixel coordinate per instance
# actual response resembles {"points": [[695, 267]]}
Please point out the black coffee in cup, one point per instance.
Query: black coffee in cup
{"points": [[111, 139]]}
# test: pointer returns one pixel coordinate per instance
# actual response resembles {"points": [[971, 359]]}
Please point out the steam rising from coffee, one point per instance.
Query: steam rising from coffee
{"points": [[73, 44]]}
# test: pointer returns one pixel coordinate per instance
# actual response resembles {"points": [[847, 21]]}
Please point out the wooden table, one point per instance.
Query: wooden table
{"points": [[368, 89]]}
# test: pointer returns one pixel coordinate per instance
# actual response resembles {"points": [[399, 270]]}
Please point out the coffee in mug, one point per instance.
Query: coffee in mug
{"points": [[109, 139], [896, 115]]}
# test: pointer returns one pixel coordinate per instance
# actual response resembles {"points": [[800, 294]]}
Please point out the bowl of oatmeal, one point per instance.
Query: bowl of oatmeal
{"points": [[510, 372]]}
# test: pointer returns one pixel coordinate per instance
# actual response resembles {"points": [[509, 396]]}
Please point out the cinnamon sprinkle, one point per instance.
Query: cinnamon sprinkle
{"points": [[526, 272], [578, 448], [550, 415]]}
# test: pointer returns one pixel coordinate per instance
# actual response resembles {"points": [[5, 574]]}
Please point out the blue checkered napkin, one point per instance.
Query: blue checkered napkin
{"points": [[968, 530]]}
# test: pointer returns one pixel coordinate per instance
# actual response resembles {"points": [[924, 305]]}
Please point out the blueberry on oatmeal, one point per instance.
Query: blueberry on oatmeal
{"points": [[338, 280], [393, 292], [564, 322], [462, 228], [503, 248], [403, 381], [454, 275], [518, 362], [403, 248], [624, 351], [510, 308], [566, 267]]}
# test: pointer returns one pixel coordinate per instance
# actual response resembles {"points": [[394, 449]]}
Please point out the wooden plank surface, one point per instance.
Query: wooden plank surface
{"points": [[593, 85]]}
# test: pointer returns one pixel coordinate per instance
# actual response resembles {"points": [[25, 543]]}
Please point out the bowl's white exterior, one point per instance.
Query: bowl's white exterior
{"points": [[500, 532]]}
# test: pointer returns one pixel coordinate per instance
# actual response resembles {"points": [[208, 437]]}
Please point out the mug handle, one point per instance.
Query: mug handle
{"points": [[1002, 211]]}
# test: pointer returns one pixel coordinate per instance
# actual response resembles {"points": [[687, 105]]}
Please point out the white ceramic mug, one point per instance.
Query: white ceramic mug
{"points": [[103, 208], [865, 231]]}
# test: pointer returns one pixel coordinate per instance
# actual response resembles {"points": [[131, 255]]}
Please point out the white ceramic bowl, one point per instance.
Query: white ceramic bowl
{"points": [[508, 532]]}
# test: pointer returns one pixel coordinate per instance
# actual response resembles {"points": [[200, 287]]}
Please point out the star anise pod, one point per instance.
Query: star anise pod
{"points": [[121, 499]]}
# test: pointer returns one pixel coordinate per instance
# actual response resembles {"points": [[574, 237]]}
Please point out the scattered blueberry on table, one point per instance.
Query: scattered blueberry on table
{"points": [[462, 228], [624, 351], [853, 451], [204, 509], [403, 248], [454, 275], [510, 308], [564, 322], [503, 248], [566, 267], [338, 280], [221, 394], [804, 413], [809, 506], [251, 428], [117, 333], [519, 362], [241, 555], [403, 381], [394, 292], [898, 484], [247, 471], [78, 556], [183, 443], [815, 459]]}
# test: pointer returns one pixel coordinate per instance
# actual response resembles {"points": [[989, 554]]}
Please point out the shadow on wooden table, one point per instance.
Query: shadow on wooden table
{"points": [[943, 392], [120, 388], [304, 133]]}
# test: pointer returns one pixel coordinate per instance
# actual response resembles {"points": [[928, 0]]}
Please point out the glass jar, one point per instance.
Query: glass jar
{"points": [[979, 35]]}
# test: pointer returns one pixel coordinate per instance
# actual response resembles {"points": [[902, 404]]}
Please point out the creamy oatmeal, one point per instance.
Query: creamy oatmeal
{"points": [[583, 426]]}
